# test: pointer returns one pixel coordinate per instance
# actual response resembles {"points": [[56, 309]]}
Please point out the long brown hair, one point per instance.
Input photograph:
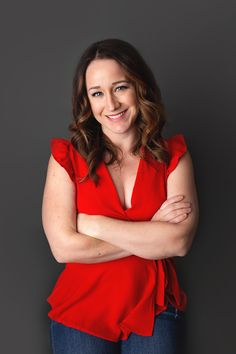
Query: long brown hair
{"points": [[86, 134]]}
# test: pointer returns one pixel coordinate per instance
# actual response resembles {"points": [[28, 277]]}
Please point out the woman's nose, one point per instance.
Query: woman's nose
{"points": [[112, 102]]}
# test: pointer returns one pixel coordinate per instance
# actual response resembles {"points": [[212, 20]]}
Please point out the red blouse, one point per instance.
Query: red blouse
{"points": [[112, 299]]}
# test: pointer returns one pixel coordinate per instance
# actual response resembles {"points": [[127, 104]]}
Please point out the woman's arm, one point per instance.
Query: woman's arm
{"points": [[59, 223], [152, 239]]}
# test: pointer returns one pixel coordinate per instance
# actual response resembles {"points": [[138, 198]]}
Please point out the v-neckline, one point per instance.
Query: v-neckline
{"points": [[134, 185]]}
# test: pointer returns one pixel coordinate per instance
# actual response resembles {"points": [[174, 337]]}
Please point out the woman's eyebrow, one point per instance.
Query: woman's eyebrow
{"points": [[116, 82]]}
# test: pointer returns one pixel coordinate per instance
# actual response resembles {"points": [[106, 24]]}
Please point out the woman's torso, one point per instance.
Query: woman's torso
{"points": [[128, 292]]}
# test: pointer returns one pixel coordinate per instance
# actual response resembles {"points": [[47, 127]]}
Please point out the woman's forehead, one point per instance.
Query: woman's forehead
{"points": [[104, 70]]}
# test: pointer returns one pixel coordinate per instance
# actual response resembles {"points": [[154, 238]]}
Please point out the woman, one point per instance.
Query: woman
{"points": [[119, 203]]}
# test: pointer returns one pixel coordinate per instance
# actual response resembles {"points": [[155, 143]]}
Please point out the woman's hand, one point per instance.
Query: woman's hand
{"points": [[173, 210]]}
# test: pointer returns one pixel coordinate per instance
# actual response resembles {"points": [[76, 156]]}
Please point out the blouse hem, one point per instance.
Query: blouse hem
{"points": [[75, 326]]}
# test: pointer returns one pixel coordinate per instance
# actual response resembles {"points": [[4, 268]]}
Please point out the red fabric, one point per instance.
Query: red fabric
{"points": [[112, 299]]}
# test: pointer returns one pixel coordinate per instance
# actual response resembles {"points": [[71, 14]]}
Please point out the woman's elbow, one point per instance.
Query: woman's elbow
{"points": [[70, 248], [59, 256], [187, 232], [183, 250], [59, 243], [58, 252], [186, 242]]}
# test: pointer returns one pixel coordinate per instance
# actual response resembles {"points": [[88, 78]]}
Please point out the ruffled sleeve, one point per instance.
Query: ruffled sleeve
{"points": [[60, 149], [177, 147]]}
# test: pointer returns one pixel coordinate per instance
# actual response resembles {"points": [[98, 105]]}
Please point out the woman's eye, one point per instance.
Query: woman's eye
{"points": [[95, 94], [122, 87]]}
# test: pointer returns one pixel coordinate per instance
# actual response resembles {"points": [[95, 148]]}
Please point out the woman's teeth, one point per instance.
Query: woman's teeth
{"points": [[117, 116]]}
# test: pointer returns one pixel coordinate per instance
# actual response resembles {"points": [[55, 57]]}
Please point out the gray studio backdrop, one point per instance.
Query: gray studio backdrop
{"points": [[189, 46]]}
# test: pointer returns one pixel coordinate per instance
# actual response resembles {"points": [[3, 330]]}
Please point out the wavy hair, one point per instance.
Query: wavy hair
{"points": [[86, 133]]}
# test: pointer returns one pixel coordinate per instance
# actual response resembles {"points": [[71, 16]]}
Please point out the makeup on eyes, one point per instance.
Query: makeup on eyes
{"points": [[121, 86]]}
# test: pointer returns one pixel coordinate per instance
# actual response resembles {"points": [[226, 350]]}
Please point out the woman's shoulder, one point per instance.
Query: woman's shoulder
{"points": [[60, 141], [176, 141], [177, 147], [68, 155], [64, 146], [61, 151]]}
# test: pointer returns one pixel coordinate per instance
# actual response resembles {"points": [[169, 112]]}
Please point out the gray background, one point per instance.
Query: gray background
{"points": [[189, 46]]}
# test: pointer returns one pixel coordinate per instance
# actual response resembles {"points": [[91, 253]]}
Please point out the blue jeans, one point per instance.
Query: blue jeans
{"points": [[167, 338]]}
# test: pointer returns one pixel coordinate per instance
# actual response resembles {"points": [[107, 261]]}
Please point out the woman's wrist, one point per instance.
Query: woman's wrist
{"points": [[96, 225], [87, 224]]}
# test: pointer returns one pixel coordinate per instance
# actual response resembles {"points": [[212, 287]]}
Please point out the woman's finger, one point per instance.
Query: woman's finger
{"points": [[174, 206], [176, 213], [175, 198], [179, 218], [168, 215]]}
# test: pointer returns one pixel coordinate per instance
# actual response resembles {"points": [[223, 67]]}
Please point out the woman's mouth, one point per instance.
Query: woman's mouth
{"points": [[118, 116]]}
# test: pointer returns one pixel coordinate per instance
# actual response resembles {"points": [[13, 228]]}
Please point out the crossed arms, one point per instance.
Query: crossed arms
{"points": [[95, 238]]}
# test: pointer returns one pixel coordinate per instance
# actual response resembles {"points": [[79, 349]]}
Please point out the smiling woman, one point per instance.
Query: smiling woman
{"points": [[116, 107], [119, 203]]}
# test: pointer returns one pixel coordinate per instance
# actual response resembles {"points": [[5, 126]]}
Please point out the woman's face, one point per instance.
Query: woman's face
{"points": [[112, 97]]}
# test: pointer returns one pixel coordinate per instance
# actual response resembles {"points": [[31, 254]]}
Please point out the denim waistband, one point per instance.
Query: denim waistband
{"points": [[171, 308]]}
